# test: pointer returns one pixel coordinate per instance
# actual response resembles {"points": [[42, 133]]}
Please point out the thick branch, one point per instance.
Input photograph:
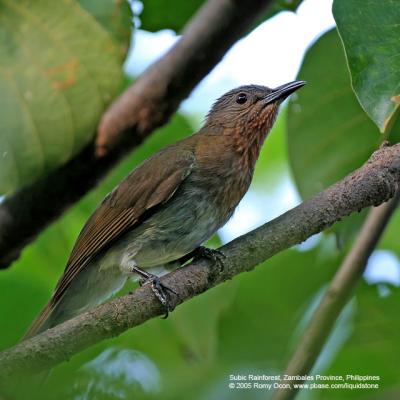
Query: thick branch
{"points": [[146, 105], [372, 184], [337, 295]]}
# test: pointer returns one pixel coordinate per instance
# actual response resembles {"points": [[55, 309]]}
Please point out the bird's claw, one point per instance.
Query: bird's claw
{"points": [[158, 288], [216, 256]]}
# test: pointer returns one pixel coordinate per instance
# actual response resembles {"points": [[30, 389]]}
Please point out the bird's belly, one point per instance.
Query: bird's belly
{"points": [[169, 234]]}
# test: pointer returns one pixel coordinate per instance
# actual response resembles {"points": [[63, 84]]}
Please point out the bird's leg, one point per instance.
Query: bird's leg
{"points": [[159, 290], [213, 254], [216, 256]]}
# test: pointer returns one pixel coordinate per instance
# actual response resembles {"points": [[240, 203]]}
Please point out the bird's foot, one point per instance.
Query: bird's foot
{"points": [[158, 288], [216, 256]]}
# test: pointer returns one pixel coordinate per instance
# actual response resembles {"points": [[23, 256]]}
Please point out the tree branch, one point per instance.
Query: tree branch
{"points": [[336, 296], [146, 105], [372, 184]]}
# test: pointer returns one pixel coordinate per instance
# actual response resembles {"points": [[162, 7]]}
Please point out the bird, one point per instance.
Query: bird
{"points": [[168, 206]]}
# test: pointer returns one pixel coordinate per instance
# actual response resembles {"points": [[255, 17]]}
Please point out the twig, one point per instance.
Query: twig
{"points": [[336, 297], [375, 182], [146, 105]]}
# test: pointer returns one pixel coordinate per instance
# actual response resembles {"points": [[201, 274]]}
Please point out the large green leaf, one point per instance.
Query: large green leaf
{"points": [[370, 31], [58, 70], [173, 14], [115, 16], [329, 135]]}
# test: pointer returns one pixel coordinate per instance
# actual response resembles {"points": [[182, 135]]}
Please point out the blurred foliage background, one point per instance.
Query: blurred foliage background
{"points": [[248, 325]]}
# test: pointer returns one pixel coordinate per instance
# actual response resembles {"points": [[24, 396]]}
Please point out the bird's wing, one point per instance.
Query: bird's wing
{"points": [[153, 183]]}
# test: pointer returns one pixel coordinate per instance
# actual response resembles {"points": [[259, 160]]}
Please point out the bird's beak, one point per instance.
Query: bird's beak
{"points": [[281, 92]]}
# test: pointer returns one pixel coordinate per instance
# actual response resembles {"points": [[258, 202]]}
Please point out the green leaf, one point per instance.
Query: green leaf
{"points": [[58, 70], [167, 14], [329, 135], [370, 31], [115, 16], [174, 14]]}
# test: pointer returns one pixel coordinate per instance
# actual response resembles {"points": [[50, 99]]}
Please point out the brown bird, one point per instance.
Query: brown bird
{"points": [[168, 206]]}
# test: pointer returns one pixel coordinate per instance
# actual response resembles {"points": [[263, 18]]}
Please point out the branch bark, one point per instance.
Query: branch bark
{"points": [[146, 105], [336, 296], [375, 182]]}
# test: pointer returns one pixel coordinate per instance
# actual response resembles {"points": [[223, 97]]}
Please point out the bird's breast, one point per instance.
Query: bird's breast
{"points": [[222, 188]]}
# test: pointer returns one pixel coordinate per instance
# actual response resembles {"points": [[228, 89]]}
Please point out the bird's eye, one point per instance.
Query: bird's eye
{"points": [[241, 98]]}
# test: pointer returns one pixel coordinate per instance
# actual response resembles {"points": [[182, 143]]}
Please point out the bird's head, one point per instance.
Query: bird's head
{"points": [[249, 110]]}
